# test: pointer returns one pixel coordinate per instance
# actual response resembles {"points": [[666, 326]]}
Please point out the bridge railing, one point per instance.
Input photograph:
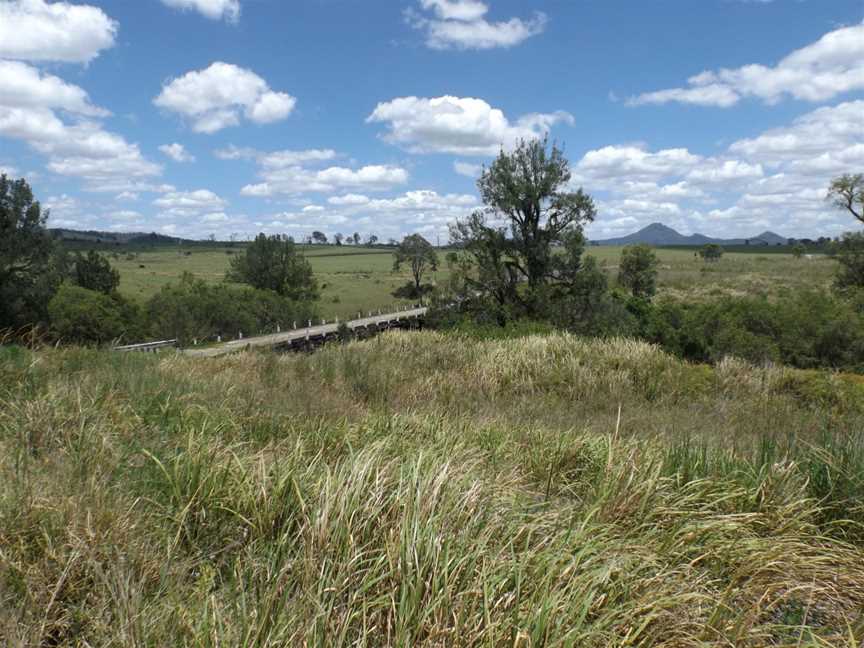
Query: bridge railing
{"points": [[145, 347]]}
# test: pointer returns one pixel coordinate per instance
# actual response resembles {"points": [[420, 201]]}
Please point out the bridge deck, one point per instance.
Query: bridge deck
{"points": [[285, 337]]}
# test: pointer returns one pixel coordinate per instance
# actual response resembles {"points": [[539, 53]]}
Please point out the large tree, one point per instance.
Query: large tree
{"points": [[29, 275], [273, 263], [418, 253], [528, 189], [847, 192]]}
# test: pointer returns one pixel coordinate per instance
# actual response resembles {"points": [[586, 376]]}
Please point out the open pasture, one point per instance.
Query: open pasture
{"points": [[351, 279], [356, 279]]}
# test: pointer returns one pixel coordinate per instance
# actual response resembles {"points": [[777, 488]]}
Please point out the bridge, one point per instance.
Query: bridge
{"points": [[312, 336]]}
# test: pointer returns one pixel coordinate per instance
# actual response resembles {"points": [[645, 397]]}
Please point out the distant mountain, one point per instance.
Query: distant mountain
{"points": [[660, 234]]}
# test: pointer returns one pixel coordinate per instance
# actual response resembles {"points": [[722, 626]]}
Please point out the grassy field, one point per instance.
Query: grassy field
{"points": [[351, 279], [355, 279], [421, 489]]}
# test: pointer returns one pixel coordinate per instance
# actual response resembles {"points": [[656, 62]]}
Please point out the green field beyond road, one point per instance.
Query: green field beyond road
{"points": [[361, 279]]}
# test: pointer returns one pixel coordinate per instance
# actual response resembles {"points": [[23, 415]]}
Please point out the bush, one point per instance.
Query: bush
{"points": [[849, 252], [87, 316], [194, 309], [638, 271], [805, 330], [94, 272]]}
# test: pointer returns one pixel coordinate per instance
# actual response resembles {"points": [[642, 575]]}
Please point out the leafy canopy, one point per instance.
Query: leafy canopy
{"points": [[274, 263], [847, 192], [28, 268], [638, 270], [418, 254], [528, 190], [94, 272]]}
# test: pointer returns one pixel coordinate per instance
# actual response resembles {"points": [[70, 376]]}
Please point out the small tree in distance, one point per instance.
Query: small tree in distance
{"points": [[419, 254], [338, 236], [638, 270], [319, 237], [273, 263], [711, 253], [798, 250]]}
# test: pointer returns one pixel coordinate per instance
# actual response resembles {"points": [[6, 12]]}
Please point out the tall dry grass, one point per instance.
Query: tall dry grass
{"points": [[426, 490]]}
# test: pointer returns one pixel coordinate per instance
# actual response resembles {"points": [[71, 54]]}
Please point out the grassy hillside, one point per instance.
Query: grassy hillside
{"points": [[428, 490]]}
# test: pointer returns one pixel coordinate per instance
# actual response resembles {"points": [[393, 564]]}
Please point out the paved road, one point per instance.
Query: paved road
{"points": [[275, 339]]}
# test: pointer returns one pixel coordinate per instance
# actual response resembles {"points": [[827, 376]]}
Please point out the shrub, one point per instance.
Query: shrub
{"points": [[638, 270], [849, 252], [194, 309], [806, 330], [94, 272], [88, 316]]}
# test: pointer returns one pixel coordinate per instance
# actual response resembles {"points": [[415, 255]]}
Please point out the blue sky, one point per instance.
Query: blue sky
{"points": [[192, 117]]}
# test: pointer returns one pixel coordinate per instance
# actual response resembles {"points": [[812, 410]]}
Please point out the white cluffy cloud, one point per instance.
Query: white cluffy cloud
{"points": [[76, 144], [463, 126], [35, 30], [177, 152], [216, 97], [776, 180], [26, 87], [832, 65], [461, 24], [296, 180], [190, 203], [213, 9]]}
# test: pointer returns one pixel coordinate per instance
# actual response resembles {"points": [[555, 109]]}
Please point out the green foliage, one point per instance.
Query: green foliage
{"points": [[274, 263], [194, 309], [94, 272], [847, 192], [849, 252], [83, 316], [638, 270], [711, 253], [527, 188], [798, 250], [428, 490], [419, 255], [30, 272], [807, 329]]}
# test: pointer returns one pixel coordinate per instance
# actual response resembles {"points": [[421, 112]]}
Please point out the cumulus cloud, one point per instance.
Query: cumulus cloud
{"points": [[776, 180], [190, 203], [831, 66], [295, 180], [831, 132], [464, 126], [82, 149], [461, 24], [216, 97], [214, 9], [26, 87], [57, 119], [35, 30], [177, 152], [635, 163]]}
